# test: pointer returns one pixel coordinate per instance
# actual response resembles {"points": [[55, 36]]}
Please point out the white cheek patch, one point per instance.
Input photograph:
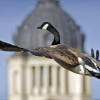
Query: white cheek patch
{"points": [[45, 26]]}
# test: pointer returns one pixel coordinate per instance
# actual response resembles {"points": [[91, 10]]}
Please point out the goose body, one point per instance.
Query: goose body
{"points": [[84, 63], [66, 56]]}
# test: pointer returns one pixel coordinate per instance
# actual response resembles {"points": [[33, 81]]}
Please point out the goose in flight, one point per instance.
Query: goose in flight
{"points": [[66, 56], [90, 68]]}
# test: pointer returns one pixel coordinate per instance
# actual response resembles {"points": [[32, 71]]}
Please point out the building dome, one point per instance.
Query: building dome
{"points": [[28, 36]]}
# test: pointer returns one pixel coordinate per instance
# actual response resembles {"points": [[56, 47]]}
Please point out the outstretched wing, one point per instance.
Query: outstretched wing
{"points": [[9, 47], [60, 53], [66, 56]]}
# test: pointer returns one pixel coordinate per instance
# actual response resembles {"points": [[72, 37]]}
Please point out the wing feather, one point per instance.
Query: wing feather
{"points": [[59, 52], [9, 47], [62, 55]]}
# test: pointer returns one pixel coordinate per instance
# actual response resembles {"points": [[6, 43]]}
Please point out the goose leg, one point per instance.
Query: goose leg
{"points": [[97, 54], [92, 53]]}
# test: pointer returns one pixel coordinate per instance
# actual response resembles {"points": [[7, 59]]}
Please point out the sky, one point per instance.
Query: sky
{"points": [[86, 13]]}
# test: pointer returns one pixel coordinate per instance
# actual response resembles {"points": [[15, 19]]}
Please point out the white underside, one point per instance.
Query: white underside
{"points": [[89, 68]]}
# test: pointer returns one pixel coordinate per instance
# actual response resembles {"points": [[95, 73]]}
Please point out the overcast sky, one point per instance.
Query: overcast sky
{"points": [[85, 12]]}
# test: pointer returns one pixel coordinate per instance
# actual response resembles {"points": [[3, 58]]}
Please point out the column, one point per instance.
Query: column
{"points": [[71, 82], [54, 78], [16, 78], [78, 87], [78, 82], [63, 80], [75, 86], [87, 83], [37, 80], [29, 79], [45, 79]]}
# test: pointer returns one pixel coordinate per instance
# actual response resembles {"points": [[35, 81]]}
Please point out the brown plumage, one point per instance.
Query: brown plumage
{"points": [[68, 56]]}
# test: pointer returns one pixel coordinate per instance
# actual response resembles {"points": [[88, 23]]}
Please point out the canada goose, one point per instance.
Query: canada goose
{"points": [[88, 62], [68, 57]]}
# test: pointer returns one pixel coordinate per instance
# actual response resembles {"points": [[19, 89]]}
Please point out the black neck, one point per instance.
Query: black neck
{"points": [[56, 35]]}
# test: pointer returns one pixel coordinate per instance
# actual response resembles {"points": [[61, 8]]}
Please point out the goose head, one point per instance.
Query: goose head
{"points": [[48, 26]]}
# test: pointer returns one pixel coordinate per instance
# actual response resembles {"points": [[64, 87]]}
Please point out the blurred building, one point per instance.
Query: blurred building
{"points": [[34, 78]]}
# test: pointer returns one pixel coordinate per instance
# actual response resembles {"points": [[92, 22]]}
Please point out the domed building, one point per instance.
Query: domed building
{"points": [[36, 78]]}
